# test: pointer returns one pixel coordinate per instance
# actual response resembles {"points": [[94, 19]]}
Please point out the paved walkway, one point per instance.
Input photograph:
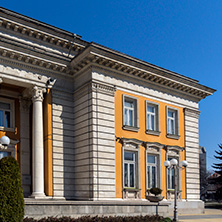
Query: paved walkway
{"points": [[210, 215]]}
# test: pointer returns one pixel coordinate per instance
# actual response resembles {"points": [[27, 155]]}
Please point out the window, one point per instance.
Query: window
{"points": [[131, 166], [129, 169], [129, 113], [171, 175], [151, 171], [152, 118], [172, 123], [5, 114], [130, 118], [4, 154]]}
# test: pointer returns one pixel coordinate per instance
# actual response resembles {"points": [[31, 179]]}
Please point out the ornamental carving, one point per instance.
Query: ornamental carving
{"points": [[37, 94], [103, 88]]}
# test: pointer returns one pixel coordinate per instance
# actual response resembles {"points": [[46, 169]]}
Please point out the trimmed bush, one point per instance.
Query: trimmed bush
{"points": [[156, 191], [11, 193], [102, 219]]}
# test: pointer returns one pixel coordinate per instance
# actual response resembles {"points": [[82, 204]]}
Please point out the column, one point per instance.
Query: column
{"points": [[37, 144]]}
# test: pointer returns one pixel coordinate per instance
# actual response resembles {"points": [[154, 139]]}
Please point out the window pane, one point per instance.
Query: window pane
{"points": [[128, 156], [1, 118], [173, 175], [148, 175], [152, 123], [170, 126], [151, 159], [7, 119], [169, 186], [129, 104], [4, 154], [130, 118], [131, 175], [170, 113], [5, 106], [125, 116], [126, 175], [153, 176], [150, 109]]}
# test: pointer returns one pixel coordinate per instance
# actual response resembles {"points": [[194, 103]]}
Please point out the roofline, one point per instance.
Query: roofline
{"points": [[143, 62], [37, 22], [123, 55], [104, 56]]}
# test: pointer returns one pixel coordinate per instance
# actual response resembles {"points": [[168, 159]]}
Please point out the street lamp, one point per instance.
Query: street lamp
{"points": [[173, 163], [4, 142]]}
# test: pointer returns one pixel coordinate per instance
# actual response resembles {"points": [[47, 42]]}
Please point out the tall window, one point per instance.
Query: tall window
{"points": [[171, 176], [151, 171], [171, 121], [130, 113], [151, 117], [129, 169], [5, 114]]}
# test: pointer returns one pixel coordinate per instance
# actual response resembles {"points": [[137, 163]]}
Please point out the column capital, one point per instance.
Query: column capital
{"points": [[37, 93]]}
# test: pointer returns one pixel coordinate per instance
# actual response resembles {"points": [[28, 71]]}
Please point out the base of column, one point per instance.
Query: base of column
{"points": [[38, 195]]}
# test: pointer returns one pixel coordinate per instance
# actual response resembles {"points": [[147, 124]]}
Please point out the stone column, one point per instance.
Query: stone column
{"points": [[37, 144]]}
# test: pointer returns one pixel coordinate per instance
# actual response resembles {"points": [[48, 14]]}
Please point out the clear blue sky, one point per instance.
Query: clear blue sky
{"points": [[183, 36]]}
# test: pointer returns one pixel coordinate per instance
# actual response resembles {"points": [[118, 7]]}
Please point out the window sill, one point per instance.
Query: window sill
{"points": [[5, 129], [131, 128], [152, 132], [172, 136], [131, 189]]}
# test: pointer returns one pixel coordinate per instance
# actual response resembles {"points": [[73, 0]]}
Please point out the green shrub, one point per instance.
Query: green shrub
{"points": [[167, 219], [156, 191], [11, 194]]}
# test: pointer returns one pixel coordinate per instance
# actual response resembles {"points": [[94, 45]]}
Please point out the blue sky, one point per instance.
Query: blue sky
{"points": [[183, 36]]}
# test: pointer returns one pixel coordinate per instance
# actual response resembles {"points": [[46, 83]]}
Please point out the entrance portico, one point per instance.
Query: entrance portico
{"points": [[30, 149]]}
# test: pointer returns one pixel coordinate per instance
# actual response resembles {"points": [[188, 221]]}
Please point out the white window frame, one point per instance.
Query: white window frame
{"points": [[129, 163], [173, 152], [169, 171], [154, 149], [135, 120], [132, 145], [156, 114], [175, 119], [12, 114], [151, 165]]}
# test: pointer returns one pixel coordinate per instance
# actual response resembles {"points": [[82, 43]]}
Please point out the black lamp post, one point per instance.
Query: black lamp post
{"points": [[173, 164]]}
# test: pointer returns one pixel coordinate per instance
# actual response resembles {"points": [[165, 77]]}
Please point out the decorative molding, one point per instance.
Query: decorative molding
{"points": [[146, 72], [32, 60], [37, 94], [150, 145], [174, 150], [101, 87], [125, 141], [41, 35]]}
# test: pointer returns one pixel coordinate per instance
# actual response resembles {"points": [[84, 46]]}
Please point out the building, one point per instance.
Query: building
{"points": [[90, 123]]}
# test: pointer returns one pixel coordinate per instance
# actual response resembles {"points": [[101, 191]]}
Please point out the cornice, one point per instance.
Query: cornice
{"points": [[132, 68], [75, 44], [39, 62]]}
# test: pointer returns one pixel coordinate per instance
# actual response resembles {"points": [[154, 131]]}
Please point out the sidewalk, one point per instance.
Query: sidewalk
{"points": [[210, 215]]}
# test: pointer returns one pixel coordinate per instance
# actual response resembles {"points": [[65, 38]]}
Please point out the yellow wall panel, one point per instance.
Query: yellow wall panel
{"points": [[141, 135]]}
